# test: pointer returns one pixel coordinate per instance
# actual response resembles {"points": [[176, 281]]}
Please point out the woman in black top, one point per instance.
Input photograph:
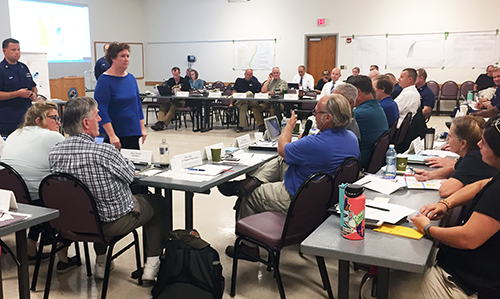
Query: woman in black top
{"points": [[465, 133]]}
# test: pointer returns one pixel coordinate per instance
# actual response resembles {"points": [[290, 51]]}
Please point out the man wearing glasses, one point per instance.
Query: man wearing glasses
{"points": [[271, 186]]}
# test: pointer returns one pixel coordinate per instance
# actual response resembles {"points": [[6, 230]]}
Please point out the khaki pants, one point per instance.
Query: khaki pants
{"points": [[257, 112], [149, 211], [167, 111], [433, 284], [272, 194], [243, 106]]}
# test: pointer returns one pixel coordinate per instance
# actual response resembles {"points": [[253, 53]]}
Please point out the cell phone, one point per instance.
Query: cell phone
{"points": [[162, 165]]}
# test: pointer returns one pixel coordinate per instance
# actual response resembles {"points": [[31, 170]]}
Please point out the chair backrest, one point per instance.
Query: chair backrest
{"points": [[403, 129], [434, 87], [227, 92], [312, 94], [308, 105], [10, 179], [393, 132], [378, 156], [219, 85], [308, 208], [465, 88], [347, 172], [78, 218], [449, 90]]}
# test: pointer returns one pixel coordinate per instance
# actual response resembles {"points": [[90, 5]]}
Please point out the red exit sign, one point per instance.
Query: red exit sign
{"points": [[321, 22]]}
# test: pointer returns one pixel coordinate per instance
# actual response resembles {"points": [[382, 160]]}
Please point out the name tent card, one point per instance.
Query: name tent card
{"points": [[137, 156], [244, 141], [214, 94], [186, 160], [291, 96], [7, 200], [261, 96], [239, 95], [183, 94]]}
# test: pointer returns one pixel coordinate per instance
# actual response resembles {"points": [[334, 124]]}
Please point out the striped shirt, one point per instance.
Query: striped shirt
{"points": [[101, 168]]}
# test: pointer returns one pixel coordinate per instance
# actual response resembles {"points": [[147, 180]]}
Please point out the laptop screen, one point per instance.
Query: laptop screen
{"points": [[273, 127]]}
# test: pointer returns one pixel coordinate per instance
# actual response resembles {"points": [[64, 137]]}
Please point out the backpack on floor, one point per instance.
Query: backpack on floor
{"points": [[190, 268]]}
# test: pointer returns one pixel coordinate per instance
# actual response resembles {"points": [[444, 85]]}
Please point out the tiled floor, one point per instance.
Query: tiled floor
{"points": [[214, 219]]}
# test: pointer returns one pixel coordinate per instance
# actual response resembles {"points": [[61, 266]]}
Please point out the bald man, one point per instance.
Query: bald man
{"points": [[330, 86]]}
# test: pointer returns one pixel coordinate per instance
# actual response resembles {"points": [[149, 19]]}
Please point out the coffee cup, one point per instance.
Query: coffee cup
{"points": [[401, 162]]}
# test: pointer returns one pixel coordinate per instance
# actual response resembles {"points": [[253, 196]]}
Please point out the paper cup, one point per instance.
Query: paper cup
{"points": [[401, 162], [215, 154]]}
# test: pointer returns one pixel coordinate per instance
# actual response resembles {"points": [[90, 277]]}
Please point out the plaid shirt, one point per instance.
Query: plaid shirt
{"points": [[101, 168]]}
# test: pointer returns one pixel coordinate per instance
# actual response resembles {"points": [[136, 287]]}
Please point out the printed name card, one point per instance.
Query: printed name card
{"points": [[7, 200], [186, 160], [244, 141], [239, 95], [137, 155], [291, 96], [262, 96], [418, 145], [214, 94], [183, 94]]}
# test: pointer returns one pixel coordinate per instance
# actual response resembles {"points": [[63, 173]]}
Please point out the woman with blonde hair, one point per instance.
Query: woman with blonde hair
{"points": [[465, 133], [27, 151]]}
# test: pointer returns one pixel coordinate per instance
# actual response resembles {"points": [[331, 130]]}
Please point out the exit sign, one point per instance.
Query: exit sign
{"points": [[321, 22]]}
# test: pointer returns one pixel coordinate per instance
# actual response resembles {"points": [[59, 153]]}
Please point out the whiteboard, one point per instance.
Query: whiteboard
{"points": [[136, 64], [369, 50], [257, 55], [39, 67], [425, 51]]}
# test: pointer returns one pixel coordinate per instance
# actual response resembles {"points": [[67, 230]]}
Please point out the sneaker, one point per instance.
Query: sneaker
{"points": [[262, 128], [239, 129], [150, 271], [100, 267], [251, 253], [32, 259], [63, 267], [158, 126]]}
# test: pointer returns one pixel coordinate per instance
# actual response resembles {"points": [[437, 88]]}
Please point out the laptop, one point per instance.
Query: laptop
{"points": [[273, 132], [165, 91], [293, 86]]}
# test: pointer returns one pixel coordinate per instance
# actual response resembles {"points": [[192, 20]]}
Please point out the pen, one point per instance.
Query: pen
{"points": [[412, 170], [378, 208], [196, 169], [365, 183]]}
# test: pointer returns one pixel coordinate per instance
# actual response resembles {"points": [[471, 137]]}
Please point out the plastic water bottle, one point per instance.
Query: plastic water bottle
{"points": [[283, 123], [164, 152], [390, 161]]}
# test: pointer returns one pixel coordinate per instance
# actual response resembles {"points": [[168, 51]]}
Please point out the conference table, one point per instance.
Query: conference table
{"points": [[190, 187], [203, 106], [378, 249], [38, 215]]}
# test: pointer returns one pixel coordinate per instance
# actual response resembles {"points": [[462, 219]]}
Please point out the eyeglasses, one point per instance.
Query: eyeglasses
{"points": [[496, 123], [318, 112], [56, 118]]}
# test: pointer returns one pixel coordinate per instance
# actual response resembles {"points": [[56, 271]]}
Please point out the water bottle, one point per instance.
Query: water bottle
{"points": [[353, 213], [390, 161], [164, 152], [283, 123]]}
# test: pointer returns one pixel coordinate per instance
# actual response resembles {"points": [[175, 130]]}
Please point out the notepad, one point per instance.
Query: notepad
{"points": [[208, 169], [412, 183], [378, 184], [399, 230]]}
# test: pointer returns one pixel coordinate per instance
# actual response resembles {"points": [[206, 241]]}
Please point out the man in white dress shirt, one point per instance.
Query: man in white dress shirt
{"points": [[305, 80], [409, 99], [330, 86]]}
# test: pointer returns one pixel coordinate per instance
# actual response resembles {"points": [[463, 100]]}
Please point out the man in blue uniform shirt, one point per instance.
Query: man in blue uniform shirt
{"points": [[17, 88], [383, 87], [427, 97], [101, 64]]}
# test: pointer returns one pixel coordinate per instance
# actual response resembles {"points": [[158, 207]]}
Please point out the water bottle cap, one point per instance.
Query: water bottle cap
{"points": [[353, 190], [164, 140], [391, 145]]}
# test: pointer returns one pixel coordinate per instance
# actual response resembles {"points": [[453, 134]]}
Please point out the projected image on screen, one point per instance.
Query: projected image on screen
{"points": [[60, 30]]}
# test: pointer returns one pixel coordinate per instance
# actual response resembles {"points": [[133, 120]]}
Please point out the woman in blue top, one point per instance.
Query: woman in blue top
{"points": [[120, 105], [194, 81]]}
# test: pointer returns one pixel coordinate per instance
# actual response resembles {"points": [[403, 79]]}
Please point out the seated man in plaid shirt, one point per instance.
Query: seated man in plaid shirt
{"points": [[108, 176]]}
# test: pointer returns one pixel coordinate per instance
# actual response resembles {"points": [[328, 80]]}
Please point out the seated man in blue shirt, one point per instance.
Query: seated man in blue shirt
{"points": [[271, 187], [383, 87], [427, 97], [370, 117]]}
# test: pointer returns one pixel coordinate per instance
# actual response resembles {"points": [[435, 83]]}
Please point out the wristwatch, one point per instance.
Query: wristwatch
{"points": [[426, 230]]}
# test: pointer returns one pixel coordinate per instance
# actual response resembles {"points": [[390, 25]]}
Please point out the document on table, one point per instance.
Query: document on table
{"points": [[7, 218], [387, 212], [252, 159], [412, 183], [377, 184], [208, 169], [184, 176]]}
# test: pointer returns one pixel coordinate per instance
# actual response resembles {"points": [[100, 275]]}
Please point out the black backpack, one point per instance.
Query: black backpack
{"points": [[190, 268]]}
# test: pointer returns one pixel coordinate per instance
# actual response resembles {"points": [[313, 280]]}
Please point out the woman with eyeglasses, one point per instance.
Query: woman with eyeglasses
{"points": [[468, 260], [465, 133], [27, 151]]}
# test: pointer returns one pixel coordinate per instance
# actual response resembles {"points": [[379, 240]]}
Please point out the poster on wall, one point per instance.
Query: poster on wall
{"points": [[257, 55], [426, 50], [369, 50], [39, 67], [471, 50]]}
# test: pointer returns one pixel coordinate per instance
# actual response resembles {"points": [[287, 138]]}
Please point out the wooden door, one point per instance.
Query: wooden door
{"points": [[321, 54]]}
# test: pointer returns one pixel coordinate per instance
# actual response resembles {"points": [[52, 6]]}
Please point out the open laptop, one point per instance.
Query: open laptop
{"points": [[165, 91], [293, 86], [273, 132]]}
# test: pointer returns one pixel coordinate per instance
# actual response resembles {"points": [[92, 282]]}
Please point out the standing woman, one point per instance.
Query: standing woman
{"points": [[120, 105]]}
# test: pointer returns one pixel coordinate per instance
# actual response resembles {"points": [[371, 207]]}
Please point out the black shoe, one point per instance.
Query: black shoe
{"points": [[262, 128], [158, 126], [239, 129], [66, 267], [239, 188], [32, 259], [251, 253]]}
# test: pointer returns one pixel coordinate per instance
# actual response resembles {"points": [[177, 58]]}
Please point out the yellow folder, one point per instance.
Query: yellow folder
{"points": [[399, 230]]}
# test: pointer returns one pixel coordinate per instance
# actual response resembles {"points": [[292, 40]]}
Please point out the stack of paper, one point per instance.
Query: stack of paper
{"points": [[378, 184], [387, 212], [412, 183]]}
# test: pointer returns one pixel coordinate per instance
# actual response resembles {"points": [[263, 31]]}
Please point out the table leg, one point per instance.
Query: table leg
{"points": [[206, 117], [343, 279], [197, 116], [22, 270], [383, 283], [189, 209], [324, 276], [170, 211]]}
